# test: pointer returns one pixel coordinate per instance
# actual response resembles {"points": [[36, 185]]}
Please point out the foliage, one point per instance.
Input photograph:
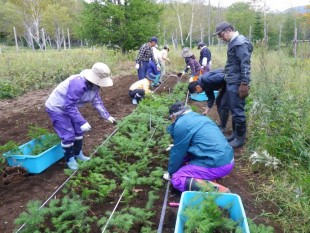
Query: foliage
{"points": [[265, 158], [206, 216], [259, 228], [125, 25], [33, 217], [69, 215], [258, 32], [236, 14]]}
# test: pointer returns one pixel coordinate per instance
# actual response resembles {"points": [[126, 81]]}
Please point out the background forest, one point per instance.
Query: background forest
{"points": [[126, 24]]}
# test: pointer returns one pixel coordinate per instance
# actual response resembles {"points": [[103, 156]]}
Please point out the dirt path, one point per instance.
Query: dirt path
{"points": [[16, 115]]}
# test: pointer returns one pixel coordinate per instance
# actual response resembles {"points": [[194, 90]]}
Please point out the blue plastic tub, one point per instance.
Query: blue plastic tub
{"points": [[34, 163], [201, 96], [228, 200]]}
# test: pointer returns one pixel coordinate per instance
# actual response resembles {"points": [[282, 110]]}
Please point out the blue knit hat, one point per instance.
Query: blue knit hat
{"points": [[153, 39]]}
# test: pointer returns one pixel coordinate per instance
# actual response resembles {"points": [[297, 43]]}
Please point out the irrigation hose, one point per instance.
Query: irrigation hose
{"points": [[163, 210], [120, 198]]}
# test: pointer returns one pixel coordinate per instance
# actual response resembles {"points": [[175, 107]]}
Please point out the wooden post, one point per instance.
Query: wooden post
{"points": [[69, 43], [280, 37], [43, 38], [295, 43], [250, 34], [15, 37]]}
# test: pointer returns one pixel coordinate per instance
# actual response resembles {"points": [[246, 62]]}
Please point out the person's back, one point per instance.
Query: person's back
{"points": [[208, 147]]}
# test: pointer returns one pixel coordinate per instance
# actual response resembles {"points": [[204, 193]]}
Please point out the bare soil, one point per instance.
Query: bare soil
{"points": [[17, 114]]}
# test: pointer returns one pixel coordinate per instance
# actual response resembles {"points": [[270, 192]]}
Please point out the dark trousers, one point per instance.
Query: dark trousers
{"points": [[142, 71], [137, 94], [236, 104]]}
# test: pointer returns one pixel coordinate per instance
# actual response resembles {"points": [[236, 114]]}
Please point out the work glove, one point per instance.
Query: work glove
{"points": [[166, 176], [169, 147], [158, 67], [243, 90], [112, 120], [137, 66], [85, 127]]}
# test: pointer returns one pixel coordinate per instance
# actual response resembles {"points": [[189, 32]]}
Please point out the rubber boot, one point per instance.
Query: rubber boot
{"points": [[193, 184], [240, 135], [233, 135], [78, 144], [224, 115], [69, 156]]}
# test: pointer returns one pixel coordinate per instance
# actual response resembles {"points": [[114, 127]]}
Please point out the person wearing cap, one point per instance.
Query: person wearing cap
{"points": [[140, 88], [205, 57], [208, 83], [191, 63], [144, 55], [164, 56], [238, 70], [63, 106], [200, 152]]}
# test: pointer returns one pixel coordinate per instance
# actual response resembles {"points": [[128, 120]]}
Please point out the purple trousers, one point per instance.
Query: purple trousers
{"points": [[178, 179], [65, 128]]}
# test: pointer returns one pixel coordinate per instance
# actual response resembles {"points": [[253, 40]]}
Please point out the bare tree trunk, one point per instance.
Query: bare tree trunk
{"points": [[15, 37], [180, 25], [191, 27], [201, 32], [69, 42], [30, 39], [43, 38], [64, 39]]}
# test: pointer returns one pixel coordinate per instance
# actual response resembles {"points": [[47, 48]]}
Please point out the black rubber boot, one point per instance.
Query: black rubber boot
{"points": [[233, 135], [224, 115], [68, 151], [78, 144], [69, 156], [240, 135]]}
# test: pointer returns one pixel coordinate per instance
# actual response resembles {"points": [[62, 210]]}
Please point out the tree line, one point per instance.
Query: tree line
{"points": [[126, 24]]}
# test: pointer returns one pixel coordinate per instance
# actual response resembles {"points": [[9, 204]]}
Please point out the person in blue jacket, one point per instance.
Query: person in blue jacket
{"points": [[238, 71], [205, 57], [63, 106], [210, 82], [200, 151]]}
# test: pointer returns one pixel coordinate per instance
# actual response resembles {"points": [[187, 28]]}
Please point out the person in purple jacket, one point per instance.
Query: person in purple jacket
{"points": [[191, 63], [63, 106]]}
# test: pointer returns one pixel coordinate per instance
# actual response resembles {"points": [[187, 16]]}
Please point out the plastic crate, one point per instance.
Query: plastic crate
{"points": [[201, 96], [34, 163], [230, 200]]}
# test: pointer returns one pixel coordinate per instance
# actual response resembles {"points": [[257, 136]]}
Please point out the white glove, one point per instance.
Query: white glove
{"points": [[169, 147], [112, 120], [85, 127], [166, 176], [137, 66], [158, 67]]}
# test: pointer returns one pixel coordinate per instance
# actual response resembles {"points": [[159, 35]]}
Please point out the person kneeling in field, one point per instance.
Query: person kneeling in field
{"points": [[139, 89], [200, 153], [63, 104]]}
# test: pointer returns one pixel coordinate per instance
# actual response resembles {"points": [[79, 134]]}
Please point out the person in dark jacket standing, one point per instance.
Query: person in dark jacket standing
{"points": [[210, 82], [205, 57], [191, 63], [144, 55], [200, 152], [238, 69]]}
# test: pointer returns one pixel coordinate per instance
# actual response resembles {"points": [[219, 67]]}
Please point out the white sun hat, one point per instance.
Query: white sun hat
{"points": [[99, 74]]}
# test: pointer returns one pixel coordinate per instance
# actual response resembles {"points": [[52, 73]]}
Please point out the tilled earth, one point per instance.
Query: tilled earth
{"points": [[16, 115]]}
